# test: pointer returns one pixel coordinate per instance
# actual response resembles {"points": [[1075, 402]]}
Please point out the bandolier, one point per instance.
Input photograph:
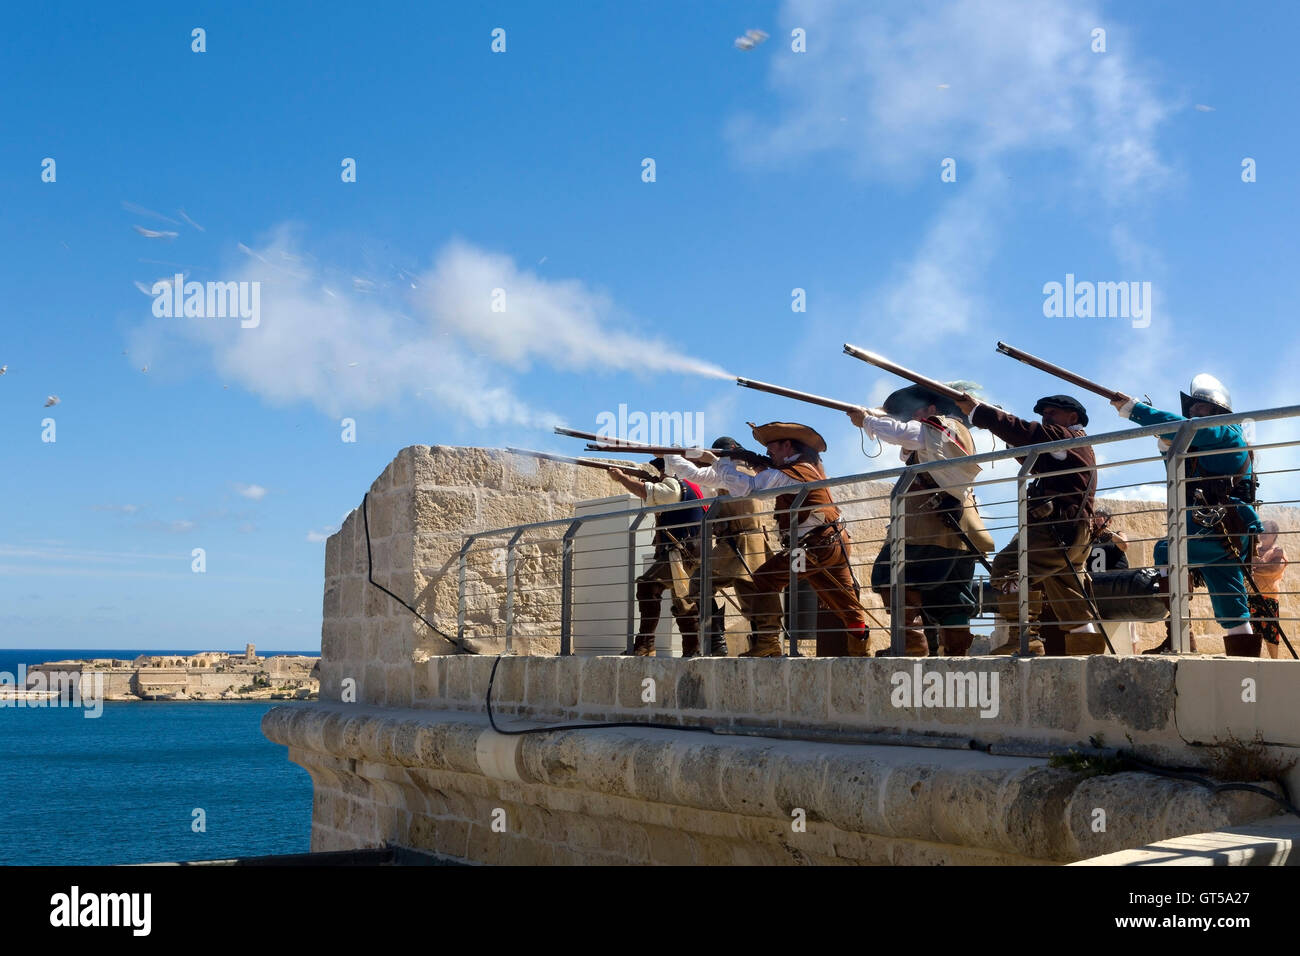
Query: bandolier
{"points": [[944, 532]]}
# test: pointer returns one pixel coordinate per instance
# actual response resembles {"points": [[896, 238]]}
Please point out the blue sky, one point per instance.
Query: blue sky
{"points": [[522, 170]]}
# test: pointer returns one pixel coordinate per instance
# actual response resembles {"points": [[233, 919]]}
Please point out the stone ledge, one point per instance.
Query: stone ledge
{"points": [[1271, 842], [1009, 805]]}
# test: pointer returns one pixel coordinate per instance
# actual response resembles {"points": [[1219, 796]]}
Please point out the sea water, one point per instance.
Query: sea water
{"points": [[147, 781]]}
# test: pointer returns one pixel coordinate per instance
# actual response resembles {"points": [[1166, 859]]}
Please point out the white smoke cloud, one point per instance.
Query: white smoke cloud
{"points": [[559, 323], [344, 346]]}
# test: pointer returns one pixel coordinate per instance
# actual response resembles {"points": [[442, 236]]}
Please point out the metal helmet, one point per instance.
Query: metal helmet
{"points": [[1207, 388]]}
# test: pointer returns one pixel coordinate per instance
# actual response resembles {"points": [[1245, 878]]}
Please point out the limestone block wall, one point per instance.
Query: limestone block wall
{"points": [[420, 508], [437, 777]]}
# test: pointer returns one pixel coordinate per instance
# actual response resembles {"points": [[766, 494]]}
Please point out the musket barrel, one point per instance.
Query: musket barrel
{"points": [[1062, 373], [797, 395], [570, 433], [585, 462], [879, 361], [656, 450]]}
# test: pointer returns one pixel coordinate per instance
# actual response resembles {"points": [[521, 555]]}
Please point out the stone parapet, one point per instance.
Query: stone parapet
{"points": [[1163, 709], [446, 782]]}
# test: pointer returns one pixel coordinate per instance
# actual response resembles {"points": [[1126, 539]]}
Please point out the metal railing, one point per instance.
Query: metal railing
{"points": [[544, 598]]}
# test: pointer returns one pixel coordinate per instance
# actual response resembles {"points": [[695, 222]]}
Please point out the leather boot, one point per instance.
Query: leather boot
{"points": [[956, 641], [690, 645], [1053, 640], [764, 645], [916, 646], [1242, 645], [1083, 644], [644, 647]]}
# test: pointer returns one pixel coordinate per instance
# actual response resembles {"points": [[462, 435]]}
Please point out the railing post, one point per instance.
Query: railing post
{"points": [[792, 592], [1022, 550], [566, 587], [462, 562], [511, 564], [631, 579], [1180, 624], [897, 564], [704, 612]]}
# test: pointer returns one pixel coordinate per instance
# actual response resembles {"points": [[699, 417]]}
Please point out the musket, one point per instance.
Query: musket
{"points": [[585, 462], [589, 436], [923, 478], [798, 396], [609, 442], [1042, 364], [742, 455], [879, 361]]}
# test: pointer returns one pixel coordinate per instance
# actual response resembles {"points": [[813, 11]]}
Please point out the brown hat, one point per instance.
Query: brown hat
{"points": [[778, 431]]}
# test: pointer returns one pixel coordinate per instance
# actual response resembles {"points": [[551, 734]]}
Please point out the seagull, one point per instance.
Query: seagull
{"points": [[943, 86], [145, 369], [1202, 108], [3, 369], [154, 233], [751, 39], [353, 364], [542, 259], [52, 400]]}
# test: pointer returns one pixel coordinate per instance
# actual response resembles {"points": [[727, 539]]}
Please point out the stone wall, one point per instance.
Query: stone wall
{"points": [[876, 783], [421, 508], [744, 745]]}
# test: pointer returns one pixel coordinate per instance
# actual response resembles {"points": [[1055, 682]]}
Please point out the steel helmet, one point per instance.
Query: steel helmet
{"points": [[1207, 388]]}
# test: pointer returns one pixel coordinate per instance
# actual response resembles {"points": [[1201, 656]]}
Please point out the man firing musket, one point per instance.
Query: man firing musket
{"points": [[1222, 522], [944, 534], [818, 543], [1059, 523], [676, 558], [1223, 525]]}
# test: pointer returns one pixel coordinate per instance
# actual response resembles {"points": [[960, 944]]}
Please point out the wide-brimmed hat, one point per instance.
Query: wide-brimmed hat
{"points": [[1065, 402], [779, 431], [903, 402]]}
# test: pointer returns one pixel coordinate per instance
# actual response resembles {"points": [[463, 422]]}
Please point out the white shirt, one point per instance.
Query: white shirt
{"points": [[724, 473], [666, 492], [930, 444]]}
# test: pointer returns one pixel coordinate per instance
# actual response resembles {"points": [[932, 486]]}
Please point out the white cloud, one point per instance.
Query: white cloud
{"points": [[317, 536], [1019, 80], [1021, 75], [256, 492]]}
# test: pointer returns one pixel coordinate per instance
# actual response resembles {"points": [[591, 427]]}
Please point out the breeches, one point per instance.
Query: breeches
{"points": [[1222, 573], [826, 568], [941, 578]]}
